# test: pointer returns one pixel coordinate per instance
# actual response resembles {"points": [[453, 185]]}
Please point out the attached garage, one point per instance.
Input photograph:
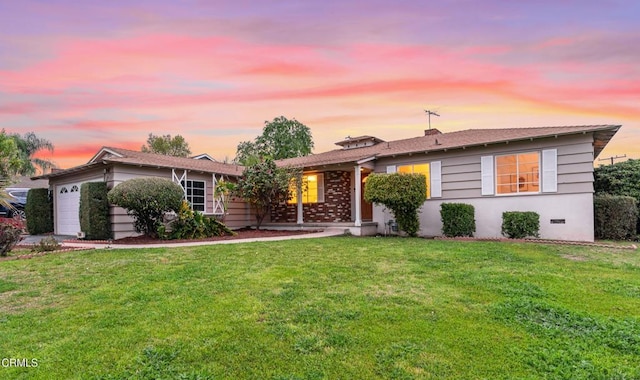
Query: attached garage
{"points": [[68, 208], [114, 166]]}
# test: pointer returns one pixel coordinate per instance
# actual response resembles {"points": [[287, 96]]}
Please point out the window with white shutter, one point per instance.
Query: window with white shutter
{"points": [[436, 179], [550, 171], [486, 169]]}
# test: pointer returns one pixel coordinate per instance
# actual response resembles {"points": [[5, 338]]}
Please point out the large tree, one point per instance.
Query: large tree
{"points": [[280, 138], [262, 185], [10, 164], [29, 144], [167, 145], [10, 158]]}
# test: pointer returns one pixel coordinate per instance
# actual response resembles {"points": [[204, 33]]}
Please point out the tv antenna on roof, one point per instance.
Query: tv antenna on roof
{"points": [[612, 158], [430, 113]]}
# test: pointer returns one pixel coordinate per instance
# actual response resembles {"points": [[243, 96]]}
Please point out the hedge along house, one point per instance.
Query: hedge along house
{"points": [[197, 176], [547, 170]]}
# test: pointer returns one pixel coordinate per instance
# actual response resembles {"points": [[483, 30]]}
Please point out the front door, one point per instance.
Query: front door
{"points": [[365, 207]]}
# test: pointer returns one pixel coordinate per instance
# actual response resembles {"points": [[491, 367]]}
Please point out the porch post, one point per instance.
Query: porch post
{"points": [[358, 195], [300, 212]]}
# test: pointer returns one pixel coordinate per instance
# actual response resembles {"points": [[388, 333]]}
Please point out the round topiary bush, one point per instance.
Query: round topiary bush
{"points": [[146, 200], [404, 194]]}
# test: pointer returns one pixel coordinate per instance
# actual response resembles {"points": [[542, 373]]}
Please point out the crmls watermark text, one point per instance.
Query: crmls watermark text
{"points": [[19, 362]]}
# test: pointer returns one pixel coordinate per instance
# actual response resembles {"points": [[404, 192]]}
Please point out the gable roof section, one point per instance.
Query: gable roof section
{"points": [[132, 157], [204, 156], [452, 140], [332, 157], [108, 155], [369, 140]]}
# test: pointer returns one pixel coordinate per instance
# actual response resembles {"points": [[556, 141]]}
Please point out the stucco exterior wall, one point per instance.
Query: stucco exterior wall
{"points": [[576, 210]]}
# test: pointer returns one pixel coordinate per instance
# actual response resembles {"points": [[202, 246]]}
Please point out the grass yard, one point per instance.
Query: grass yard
{"points": [[332, 308]]}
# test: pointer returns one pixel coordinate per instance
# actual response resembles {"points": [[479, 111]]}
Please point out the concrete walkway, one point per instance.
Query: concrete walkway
{"points": [[35, 239], [327, 232]]}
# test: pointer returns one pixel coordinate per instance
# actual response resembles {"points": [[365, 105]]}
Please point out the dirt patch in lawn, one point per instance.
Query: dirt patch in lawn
{"points": [[245, 233], [575, 258]]}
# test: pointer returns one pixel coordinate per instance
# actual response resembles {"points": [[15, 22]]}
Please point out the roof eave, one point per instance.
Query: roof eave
{"points": [[601, 139], [235, 173], [72, 170]]}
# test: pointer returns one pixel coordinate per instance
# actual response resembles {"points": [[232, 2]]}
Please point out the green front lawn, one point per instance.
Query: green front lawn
{"points": [[332, 308]]}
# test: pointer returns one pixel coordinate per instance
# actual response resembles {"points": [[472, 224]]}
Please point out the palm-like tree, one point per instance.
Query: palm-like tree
{"points": [[29, 144], [10, 163]]}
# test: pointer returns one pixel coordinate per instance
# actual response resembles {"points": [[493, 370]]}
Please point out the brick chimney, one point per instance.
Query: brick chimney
{"points": [[431, 132]]}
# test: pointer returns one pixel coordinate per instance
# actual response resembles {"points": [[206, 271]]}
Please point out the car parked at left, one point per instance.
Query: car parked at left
{"points": [[17, 198]]}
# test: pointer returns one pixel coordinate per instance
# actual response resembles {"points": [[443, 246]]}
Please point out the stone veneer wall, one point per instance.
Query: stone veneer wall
{"points": [[335, 208]]}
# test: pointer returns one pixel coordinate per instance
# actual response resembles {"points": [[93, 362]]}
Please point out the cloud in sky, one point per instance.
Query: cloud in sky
{"points": [[90, 74]]}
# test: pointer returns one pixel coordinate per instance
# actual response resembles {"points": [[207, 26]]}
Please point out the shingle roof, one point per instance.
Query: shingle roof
{"points": [[430, 143], [132, 157], [452, 140]]}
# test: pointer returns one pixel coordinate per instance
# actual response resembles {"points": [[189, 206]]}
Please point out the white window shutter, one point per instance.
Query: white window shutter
{"points": [[550, 171], [436, 179], [391, 169], [486, 170]]}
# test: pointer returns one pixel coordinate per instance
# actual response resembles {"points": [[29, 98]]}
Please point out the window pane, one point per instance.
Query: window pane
{"points": [[310, 188], [311, 192], [518, 173], [424, 169], [527, 166], [418, 169], [506, 183], [504, 189], [195, 194], [405, 169]]}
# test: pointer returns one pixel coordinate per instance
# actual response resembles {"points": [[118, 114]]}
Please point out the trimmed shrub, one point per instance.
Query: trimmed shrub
{"points": [[615, 217], [146, 200], [621, 178], [39, 211], [404, 194], [191, 224], [520, 224], [458, 219], [94, 211], [9, 237]]}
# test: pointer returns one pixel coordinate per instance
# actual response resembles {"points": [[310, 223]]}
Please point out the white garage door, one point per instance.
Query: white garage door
{"points": [[68, 208]]}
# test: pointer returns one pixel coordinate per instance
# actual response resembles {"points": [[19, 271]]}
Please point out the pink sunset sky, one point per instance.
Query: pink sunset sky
{"points": [[85, 74]]}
